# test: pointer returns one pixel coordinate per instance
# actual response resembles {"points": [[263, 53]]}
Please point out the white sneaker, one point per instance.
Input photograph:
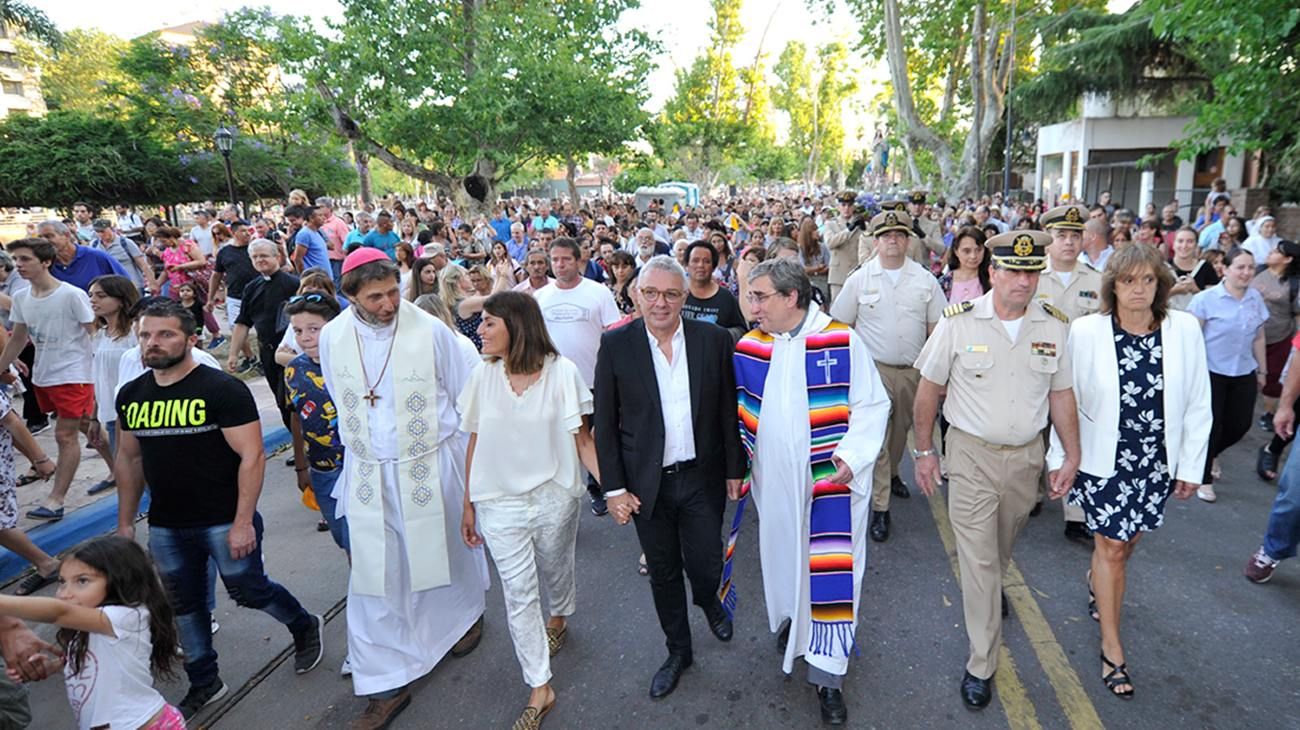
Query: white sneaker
{"points": [[215, 626], [346, 669], [1206, 493]]}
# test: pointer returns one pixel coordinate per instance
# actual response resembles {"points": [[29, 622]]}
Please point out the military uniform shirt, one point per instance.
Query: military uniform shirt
{"points": [[997, 389], [1081, 296], [890, 317]]}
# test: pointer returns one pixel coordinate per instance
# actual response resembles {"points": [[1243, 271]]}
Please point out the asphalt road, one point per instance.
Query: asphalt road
{"points": [[1207, 649]]}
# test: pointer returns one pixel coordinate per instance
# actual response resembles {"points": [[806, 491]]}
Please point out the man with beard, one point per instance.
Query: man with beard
{"points": [[416, 592], [194, 435]]}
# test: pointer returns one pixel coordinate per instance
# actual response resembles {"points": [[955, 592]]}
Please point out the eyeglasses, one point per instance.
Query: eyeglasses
{"points": [[313, 298], [760, 297], [669, 295]]}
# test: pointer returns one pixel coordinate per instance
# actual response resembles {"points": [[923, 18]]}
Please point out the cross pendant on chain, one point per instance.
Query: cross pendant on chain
{"points": [[370, 398]]}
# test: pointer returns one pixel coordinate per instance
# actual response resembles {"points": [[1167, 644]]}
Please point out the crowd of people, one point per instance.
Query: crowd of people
{"points": [[658, 361]]}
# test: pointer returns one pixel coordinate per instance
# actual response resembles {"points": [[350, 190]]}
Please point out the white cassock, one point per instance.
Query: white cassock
{"points": [[398, 638], [782, 481]]}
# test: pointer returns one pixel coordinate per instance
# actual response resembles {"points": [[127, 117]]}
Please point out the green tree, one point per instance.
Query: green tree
{"points": [[811, 90], [230, 77], [76, 73], [717, 110], [29, 21], [463, 93], [67, 156]]}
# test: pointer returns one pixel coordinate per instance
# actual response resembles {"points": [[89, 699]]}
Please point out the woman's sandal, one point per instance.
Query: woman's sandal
{"points": [[33, 475], [531, 717], [1266, 464], [555, 638], [35, 582], [1092, 600], [1117, 677]]}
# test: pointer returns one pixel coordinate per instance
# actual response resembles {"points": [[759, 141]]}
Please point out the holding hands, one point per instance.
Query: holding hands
{"points": [[623, 507]]}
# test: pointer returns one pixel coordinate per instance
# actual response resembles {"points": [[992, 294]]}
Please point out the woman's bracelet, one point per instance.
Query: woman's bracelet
{"points": [[40, 461]]}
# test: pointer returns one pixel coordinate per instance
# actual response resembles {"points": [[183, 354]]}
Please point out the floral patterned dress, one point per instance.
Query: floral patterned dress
{"points": [[8, 472], [1133, 500]]}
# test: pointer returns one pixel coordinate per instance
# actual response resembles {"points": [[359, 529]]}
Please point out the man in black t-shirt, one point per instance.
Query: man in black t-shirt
{"points": [[260, 308], [235, 269], [707, 301], [193, 433]]}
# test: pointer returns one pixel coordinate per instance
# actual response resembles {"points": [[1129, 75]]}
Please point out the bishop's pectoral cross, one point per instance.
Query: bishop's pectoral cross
{"points": [[371, 397], [826, 362]]}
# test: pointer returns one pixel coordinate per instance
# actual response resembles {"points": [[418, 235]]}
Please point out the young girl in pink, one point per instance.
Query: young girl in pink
{"points": [[117, 631]]}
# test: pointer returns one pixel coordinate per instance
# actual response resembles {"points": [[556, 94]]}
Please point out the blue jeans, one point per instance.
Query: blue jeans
{"points": [[1284, 521], [322, 483], [336, 272], [181, 556]]}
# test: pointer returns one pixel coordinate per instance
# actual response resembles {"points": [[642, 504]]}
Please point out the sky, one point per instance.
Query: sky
{"points": [[681, 25]]}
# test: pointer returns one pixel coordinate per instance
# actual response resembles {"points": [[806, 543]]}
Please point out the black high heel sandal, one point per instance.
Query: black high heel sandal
{"points": [[1092, 600], [1117, 677]]}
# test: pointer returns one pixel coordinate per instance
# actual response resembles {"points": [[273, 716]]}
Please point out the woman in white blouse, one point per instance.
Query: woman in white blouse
{"points": [[523, 409], [1143, 394]]}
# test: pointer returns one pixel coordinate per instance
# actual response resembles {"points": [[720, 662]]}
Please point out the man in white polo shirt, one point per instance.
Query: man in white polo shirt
{"points": [[577, 311]]}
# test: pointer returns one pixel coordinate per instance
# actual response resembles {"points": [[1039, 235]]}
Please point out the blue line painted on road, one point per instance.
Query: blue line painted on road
{"points": [[96, 518]]}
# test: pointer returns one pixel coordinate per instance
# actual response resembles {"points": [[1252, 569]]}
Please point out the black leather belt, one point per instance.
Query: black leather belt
{"points": [[679, 466]]}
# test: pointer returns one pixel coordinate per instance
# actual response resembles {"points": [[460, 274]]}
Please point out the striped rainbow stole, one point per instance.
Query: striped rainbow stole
{"points": [[830, 539]]}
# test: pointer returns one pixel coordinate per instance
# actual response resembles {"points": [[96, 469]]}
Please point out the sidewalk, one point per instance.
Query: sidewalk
{"points": [[86, 515]]}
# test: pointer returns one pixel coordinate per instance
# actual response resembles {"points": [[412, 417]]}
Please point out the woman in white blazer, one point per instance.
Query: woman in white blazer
{"points": [[1143, 393]]}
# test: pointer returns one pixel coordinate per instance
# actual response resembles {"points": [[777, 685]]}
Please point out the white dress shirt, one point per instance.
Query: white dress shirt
{"points": [[675, 396]]}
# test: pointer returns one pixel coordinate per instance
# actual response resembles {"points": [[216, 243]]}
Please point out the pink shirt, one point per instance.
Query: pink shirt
{"points": [[964, 291], [335, 232]]}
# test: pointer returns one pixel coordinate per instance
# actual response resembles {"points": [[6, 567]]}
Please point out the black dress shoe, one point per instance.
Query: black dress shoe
{"points": [[719, 623], [1078, 532], [1006, 607], [899, 489], [1037, 510], [598, 506], [665, 680], [976, 692], [833, 710], [783, 636], [879, 525]]}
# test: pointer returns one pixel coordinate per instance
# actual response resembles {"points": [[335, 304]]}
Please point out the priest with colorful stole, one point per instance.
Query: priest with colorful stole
{"points": [[813, 413], [416, 592]]}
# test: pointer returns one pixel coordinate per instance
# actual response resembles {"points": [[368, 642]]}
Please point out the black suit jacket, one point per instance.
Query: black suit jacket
{"points": [[628, 419]]}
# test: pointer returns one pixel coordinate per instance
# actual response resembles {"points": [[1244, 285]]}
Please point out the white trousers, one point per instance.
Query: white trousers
{"points": [[531, 534]]}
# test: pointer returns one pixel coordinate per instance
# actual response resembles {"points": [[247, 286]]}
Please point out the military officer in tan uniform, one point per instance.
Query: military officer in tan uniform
{"points": [[1073, 287], [894, 304], [924, 228], [842, 239], [1003, 359]]}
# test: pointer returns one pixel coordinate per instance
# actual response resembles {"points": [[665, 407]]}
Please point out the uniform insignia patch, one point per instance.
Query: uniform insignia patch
{"points": [[953, 310], [1055, 312]]}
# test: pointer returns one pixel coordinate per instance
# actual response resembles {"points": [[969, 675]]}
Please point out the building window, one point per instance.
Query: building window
{"points": [[17, 113], [8, 59], [12, 87]]}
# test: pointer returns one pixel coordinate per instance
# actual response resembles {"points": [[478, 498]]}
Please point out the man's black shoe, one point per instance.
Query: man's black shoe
{"points": [[1078, 532], [598, 506], [37, 427], [665, 680], [719, 623], [833, 710], [199, 697], [899, 489], [976, 692], [1038, 508], [783, 636], [879, 525]]}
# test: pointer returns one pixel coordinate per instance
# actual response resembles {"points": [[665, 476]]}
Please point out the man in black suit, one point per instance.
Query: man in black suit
{"points": [[669, 451]]}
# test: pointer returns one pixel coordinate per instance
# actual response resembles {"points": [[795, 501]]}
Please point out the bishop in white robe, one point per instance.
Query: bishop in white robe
{"points": [[413, 593], [782, 476]]}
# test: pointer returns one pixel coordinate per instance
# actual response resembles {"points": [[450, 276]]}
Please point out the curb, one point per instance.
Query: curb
{"points": [[97, 518]]}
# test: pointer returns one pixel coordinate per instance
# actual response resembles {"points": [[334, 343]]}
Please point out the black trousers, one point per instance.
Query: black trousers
{"points": [[275, 379], [31, 410], [1232, 401], [683, 532]]}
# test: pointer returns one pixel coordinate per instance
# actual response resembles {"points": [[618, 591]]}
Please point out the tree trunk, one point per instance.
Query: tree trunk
{"points": [[571, 177], [362, 162]]}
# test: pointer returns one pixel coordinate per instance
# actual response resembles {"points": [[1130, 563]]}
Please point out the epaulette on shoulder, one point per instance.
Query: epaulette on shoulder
{"points": [[1055, 312], [953, 310]]}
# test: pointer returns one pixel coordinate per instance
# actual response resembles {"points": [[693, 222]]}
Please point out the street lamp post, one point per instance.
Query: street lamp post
{"points": [[225, 138]]}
